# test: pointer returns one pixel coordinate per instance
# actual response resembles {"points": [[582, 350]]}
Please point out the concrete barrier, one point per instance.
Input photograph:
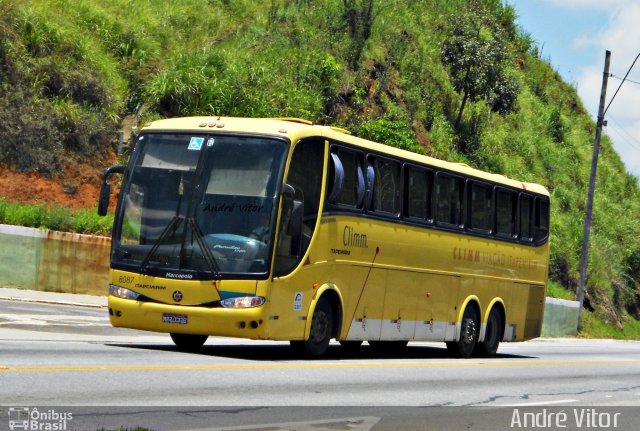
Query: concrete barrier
{"points": [[53, 261], [560, 318], [20, 251]]}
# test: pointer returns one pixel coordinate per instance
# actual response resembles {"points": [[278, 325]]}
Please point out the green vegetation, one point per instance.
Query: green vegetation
{"points": [[555, 290], [592, 327], [54, 218], [476, 57], [71, 71]]}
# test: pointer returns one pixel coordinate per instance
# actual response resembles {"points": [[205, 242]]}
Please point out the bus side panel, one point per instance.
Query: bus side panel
{"points": [[290, 299], [368, 317], [535, 309], [505, 291], [436, 315], [399, 315], [524, 312]]}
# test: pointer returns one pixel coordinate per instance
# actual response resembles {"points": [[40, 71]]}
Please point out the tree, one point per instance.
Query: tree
{"points": [[476, 56]]}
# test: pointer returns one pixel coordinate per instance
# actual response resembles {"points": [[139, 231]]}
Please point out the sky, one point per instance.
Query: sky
{"points": [[573, 36]]}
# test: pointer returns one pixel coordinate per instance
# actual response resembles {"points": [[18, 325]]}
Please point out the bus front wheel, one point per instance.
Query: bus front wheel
{"points": [[469, 331], [321, 330], [188, 342]]}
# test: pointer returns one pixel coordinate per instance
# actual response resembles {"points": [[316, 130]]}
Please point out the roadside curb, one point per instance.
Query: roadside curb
{"points": [[52, 301], [56, 298]]}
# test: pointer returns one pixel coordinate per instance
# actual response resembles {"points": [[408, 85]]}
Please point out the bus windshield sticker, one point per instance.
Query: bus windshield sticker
{"points": [[210, 142], [297, 301], [195, 144]]}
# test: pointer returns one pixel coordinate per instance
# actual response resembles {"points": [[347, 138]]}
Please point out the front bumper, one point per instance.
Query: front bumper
{"points": [[157, 317]]}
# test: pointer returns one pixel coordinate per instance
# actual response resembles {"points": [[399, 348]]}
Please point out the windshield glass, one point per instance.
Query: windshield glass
{"points": [[200, 206]]}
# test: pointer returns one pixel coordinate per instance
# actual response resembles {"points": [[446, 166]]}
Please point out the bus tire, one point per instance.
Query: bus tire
{"points": [[188, 342], [321, 331], [489, 346], [469, 331]]}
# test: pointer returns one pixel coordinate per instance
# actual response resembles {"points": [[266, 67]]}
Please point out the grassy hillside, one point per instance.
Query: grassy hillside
{"points": [[74, 73]]}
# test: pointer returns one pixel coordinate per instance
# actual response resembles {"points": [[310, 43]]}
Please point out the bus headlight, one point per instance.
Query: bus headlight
{"points": [[242, 302], [121, 292]]}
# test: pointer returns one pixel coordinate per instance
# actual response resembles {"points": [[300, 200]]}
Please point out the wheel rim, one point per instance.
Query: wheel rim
{"points": [[469, 331], [319, 327]]}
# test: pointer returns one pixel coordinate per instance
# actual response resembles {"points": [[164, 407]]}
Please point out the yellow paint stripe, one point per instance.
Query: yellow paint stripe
{"points": [[284, 366]]}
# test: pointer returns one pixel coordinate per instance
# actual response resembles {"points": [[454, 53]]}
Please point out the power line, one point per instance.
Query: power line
{"points": [[625, 132], [620, 79], [601, 118]]}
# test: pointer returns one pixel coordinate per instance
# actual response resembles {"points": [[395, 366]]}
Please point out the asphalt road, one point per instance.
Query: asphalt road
{"points": [[70, 357]]}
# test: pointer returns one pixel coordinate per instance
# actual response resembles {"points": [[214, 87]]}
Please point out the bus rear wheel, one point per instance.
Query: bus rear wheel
{"points": [[464, 347], [489, 346], [321, 331], [188, 342]]}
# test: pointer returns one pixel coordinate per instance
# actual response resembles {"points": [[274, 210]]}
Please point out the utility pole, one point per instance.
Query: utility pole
{"points": [[592, 186]]}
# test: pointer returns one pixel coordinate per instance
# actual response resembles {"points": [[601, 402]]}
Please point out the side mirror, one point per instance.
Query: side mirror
{"points": [[295, 222], [103, 202], [293, 211], [105, 188]]}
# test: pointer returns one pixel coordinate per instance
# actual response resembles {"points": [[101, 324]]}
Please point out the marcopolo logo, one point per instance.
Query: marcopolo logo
{"points": [[25, 418]]}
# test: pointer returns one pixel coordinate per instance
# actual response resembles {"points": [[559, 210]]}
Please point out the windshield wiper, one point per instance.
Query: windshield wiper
{"points": [[206, 253], [169, 230], [171, 226]]}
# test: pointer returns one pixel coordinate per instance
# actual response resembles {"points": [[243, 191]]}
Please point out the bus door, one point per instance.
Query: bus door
{"points": [[293, 284]]}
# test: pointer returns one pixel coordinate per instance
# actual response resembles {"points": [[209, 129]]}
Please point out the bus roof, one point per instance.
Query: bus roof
{"points": [[295, 129]]}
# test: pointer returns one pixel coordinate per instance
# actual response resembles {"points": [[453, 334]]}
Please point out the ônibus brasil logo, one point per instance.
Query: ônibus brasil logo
{"points": [[25, 418]]}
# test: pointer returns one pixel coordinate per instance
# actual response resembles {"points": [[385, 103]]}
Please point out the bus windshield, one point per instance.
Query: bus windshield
{"points": [[199, 206]]}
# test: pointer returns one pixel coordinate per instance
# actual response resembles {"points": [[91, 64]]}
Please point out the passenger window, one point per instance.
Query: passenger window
{"points": [[542, 219], [346, 182], [481, 207], [505, 213], [526, 211], [418, 184], [449, 194], [386, 186]]}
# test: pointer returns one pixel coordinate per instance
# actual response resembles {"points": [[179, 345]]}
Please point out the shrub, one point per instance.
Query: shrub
{"points": [[54, 217], [395, 133]]}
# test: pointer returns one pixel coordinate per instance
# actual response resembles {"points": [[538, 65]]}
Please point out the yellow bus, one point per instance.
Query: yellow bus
{"points": [[279, 229]]}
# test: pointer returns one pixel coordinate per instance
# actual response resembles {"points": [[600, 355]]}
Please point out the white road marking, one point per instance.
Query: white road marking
{"points": [[352, 424], [539, 403]]}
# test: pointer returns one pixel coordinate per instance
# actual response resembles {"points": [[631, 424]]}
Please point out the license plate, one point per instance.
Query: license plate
{"points": [[180, 319]]}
